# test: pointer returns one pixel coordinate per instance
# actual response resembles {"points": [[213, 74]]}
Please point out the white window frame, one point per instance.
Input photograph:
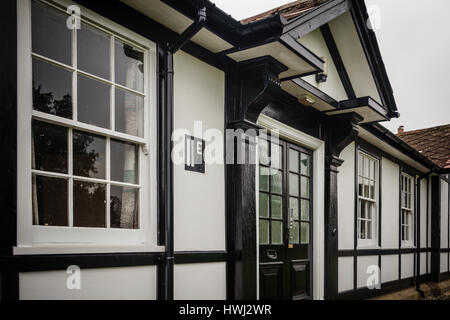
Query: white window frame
{"points": [[407, 208], [32, 239], [373, 242]]}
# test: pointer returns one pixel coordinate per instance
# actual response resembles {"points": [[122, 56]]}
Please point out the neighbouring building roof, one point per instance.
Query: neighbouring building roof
{"points": [[434, 143], [288, 11]]}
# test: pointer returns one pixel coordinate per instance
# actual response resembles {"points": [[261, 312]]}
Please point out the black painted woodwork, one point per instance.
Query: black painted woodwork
{"points": [[435, 227], [8, 142], [337, 60], [340, 132]]}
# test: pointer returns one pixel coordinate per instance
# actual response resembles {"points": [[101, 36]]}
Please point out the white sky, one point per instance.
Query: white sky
{"points": [[414, 40]]}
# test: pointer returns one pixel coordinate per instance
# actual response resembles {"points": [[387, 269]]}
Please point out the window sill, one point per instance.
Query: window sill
{"points": [[82, 249]]}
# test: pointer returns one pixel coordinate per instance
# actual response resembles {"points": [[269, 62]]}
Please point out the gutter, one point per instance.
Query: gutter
{"points": [[166, 126]]}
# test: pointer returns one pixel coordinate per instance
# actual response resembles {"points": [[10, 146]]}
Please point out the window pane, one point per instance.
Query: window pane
{"points": [[366, 167], [366, 188], [263, 205], [276, 156], [129, 66], [263, 146], [305, 210], [49, 147], [304, 233], [89, 204], [372, 170], [360, 186], [93, 102], [124, 162], [369, 230], [94, 48], [124, 208], [363, 229], [372, 190], [277, 181], [88, 155], [129, 113], [277, 232], [362, 212], [305, 164], [293, 205], [264, 179], [52, 89], [263, 232], [293, 161], [50, 36], [49, 201], [305, 187], [277, 207], [293, 185], [294, 237]]}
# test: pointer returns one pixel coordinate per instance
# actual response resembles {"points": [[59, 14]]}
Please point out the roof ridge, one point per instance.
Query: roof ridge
{"points": [[424, 129], [300, 5]]}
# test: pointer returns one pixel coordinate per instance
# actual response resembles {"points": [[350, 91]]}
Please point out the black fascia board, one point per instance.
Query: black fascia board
{"points": [[391, 139], [316, 92], [228, 28], [370, 45], [316, 17], [364, 102]]}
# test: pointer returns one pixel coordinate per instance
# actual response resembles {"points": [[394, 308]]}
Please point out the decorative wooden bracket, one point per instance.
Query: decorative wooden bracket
{"points": [[260, 86]]}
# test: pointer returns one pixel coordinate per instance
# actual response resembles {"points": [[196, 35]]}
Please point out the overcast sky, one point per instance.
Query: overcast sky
{"points": [[414, 39]]}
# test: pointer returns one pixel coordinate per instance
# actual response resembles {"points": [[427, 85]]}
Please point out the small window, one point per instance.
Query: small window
{"points": [[367, 200], [407, 211]]}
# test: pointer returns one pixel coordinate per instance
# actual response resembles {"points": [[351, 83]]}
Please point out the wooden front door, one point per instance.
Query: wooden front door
{"points": [[285, 221]]}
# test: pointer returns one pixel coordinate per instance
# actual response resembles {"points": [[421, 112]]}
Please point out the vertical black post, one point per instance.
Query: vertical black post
{"points": [[242, 192], [332, 164], [341, 131], [8, 144], [435, 227]]}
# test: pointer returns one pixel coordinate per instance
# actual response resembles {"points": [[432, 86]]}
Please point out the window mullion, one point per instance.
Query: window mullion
{"points": [[74, 76], [70, 162], [108, 184], [113, 87]]}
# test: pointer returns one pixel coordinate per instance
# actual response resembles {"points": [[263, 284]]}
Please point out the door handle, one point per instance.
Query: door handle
{"points": [[272, 254]]}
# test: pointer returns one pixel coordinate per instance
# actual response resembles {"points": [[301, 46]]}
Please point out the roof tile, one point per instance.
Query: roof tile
{"points": [[288, 11], [434, 143]]}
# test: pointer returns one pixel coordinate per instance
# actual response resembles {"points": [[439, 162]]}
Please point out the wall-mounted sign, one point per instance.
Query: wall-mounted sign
{"points": [[194, 150]]}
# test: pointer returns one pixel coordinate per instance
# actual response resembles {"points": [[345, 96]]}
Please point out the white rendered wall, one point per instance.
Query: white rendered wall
{"points": [[353, 56], [199, 199], [363, 264], [389, 268], [346, 199], [333, 86], [134, 283], [345, 270], [407, 266], [205, 281], [390, 189]]}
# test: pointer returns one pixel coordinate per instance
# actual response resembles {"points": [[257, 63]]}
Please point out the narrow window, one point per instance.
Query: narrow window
{"points": [[407, 210], [367, 200]]}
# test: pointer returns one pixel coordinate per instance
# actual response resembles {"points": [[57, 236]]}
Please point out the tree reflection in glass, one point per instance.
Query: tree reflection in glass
{"points": [[88, 155], [51, 89]]}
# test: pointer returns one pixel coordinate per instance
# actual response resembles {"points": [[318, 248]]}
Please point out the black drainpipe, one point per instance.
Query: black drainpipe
{"points": [[418, 226], [167, 146]]}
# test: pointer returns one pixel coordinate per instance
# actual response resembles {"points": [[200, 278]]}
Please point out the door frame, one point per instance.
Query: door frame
{"points": [[318, 246]]}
